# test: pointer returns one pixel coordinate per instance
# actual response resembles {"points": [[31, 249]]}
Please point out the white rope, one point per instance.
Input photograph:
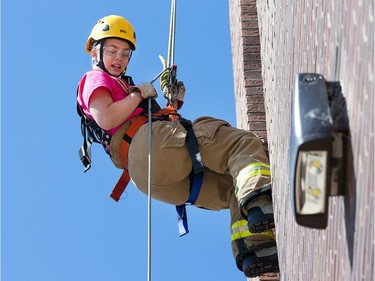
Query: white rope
{"points": [[149, 191], [172, 29], [170, 61]]}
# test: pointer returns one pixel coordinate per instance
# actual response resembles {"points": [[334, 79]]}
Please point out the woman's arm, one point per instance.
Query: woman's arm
{"points": [[109, 114]]}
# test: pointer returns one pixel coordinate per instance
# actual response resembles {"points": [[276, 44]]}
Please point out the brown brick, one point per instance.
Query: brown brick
{"points": [[253, 74], [252, 49], [248, 17], [253, 65], [250, 32], [255, 107], [255, 99], [253, 82], [248, 24], [257, 126], [260, 116], [251, 40], [254, 91], [247, 9], [251, 56]]}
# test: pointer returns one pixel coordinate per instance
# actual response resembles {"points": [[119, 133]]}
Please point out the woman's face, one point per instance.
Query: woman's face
{"points": [[116, 55]]}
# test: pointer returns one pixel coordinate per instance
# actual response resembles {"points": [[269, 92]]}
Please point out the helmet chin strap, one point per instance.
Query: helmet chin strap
{"points": [[100, 63]]}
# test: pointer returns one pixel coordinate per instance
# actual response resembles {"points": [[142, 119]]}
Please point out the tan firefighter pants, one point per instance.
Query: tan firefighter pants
{"points": [[235, 165]]}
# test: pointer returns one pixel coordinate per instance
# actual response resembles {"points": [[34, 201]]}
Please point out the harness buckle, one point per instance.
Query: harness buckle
{"points": [[85, 158]]}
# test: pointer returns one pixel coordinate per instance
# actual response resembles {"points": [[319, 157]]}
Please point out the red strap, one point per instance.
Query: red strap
{"points": [[120, 186], [124, 151], [130, 132]]}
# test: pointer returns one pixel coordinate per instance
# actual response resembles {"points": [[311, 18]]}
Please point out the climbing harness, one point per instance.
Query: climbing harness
{"points": [[91, 132]]}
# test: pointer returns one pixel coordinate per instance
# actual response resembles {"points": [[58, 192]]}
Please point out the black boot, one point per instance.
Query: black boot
{"points": [[260, 215], [263, 259], [257, 209]]}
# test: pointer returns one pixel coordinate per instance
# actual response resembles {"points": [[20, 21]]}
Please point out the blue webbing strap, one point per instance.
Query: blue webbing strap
{"points": [[195, 180], [181, 209]]}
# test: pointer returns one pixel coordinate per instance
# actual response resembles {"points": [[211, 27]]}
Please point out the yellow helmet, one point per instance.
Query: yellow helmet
{"points": [[112, 26]]}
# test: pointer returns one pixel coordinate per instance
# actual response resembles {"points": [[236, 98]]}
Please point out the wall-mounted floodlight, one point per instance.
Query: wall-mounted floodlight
{"points": [[318, 133]]}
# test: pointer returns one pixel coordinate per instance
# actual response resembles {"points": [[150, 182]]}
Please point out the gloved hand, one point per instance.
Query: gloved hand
{"points": [[180, 94], [145, 89]]}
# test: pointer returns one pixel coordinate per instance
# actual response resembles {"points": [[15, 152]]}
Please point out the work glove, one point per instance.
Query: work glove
{"points": [[145, 89], [180, 94]]}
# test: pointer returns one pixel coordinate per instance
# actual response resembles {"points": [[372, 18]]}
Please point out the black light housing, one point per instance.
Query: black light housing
{"points": [[316, 148]]}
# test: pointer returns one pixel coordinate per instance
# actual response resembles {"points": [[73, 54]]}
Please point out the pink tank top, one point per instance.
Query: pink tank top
{"points": [[95, 79]]}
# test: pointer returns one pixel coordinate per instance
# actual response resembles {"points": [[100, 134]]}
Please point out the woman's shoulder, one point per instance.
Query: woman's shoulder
{"points": [[96, 77], [97, 73]]}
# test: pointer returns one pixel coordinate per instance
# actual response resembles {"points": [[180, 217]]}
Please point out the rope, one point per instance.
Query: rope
{"points": [[149, 191], [167, 69], [168, 78], [172, 24]]}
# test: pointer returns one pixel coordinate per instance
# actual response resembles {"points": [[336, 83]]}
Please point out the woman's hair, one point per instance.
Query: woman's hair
{"points": [[96, 45]]}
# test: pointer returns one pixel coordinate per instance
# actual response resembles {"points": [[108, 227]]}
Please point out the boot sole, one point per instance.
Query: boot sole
{"points": [[261, 266]]}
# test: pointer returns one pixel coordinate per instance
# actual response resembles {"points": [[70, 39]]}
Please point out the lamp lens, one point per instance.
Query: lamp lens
{"points": [[311, 182]]}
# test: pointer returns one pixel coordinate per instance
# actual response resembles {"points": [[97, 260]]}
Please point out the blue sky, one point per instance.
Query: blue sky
{"points": [[58, 223]]}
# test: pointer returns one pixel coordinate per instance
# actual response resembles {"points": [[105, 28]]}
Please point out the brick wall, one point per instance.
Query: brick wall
{"points": [[338, 42], [247, 65], [247, 71]]}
